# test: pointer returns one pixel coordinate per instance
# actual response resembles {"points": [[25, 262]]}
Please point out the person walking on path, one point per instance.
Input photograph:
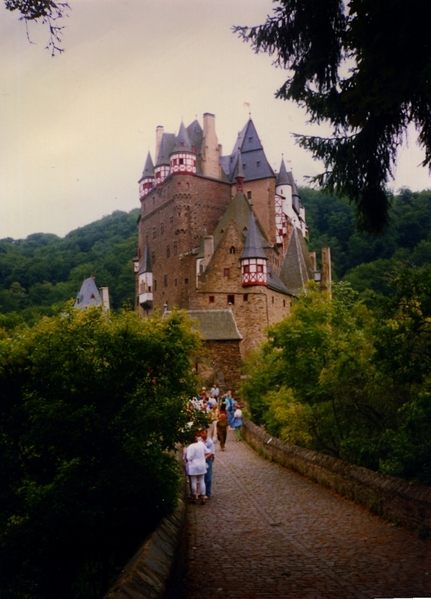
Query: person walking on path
{"points": [[197, 465], [237, 423], [208, 442], [230, 406], [222, 426], [214, 416]]}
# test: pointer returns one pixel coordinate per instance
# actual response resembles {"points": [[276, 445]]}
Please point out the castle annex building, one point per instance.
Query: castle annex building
{"points": [[222, 236]]}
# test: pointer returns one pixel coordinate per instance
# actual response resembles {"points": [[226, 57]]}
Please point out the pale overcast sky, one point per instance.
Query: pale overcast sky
{"points": [[76, 128]]}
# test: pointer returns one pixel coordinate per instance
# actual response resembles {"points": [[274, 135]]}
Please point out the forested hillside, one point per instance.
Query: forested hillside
{"points": [[44, 269], [362, 259]]}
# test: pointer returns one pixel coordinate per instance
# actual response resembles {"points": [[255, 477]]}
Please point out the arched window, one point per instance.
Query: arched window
{"points": [[232, 249]]}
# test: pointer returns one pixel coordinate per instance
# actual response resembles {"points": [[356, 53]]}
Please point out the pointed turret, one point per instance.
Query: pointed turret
{"points": [[146, 182], [88, 295], [283, 203], [183, 157], [254, 263], [162, 167], [145, 281]]}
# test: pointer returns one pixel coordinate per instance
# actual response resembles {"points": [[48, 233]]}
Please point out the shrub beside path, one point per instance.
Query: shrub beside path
{"points": [[268, 532]]}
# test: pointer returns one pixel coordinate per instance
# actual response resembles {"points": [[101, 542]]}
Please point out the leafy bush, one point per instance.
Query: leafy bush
{"points": [[92, 406]]}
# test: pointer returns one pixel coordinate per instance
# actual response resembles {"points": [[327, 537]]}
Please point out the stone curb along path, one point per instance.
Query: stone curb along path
{"points": [[269, 532]]}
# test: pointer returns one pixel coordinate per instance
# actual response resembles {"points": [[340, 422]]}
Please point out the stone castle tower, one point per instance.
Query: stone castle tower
{"points": [[222, 236]]}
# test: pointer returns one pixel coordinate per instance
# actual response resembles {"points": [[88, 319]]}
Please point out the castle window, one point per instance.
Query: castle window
{"points": [[232, 249], [186, 281], [175, 281], [226, 272], [165, 280], [154, 232], [245, 297], [249, 195], [162, 229], [258, 163], [211, 299], [168, 252], [284, 303], [231, 299], [250, 139], [272, 298], [175, 248], [259, 267], [246, 269], [155, 285], [153, 257], [201, 268], [181, 160]]}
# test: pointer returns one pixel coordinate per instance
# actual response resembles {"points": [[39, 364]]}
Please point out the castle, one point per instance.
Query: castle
{"points": [[222, 236]]}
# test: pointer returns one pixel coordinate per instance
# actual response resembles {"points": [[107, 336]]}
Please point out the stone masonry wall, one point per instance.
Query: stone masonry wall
{"points": [[226, 356], [173, 219], [391, 498]]}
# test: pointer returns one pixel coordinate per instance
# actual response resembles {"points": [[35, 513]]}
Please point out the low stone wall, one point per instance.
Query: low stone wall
{"points": [[156, 570], [391, 498]]}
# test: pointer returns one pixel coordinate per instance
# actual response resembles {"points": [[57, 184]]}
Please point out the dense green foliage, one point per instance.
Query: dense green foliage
{"points": [[362, 67], [339, 378], [365, 260], [43, 269], [91, 409]]}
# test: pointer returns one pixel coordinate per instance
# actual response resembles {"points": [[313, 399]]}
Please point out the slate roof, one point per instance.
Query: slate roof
{"points": [[296, 269], [88, 295], [283, 177], [238, 210], [275, 283], [182, 141], [253, 241], [146, 261], [217, 325], [148, 168], [166, 148], [249, 149], [195, 134]]}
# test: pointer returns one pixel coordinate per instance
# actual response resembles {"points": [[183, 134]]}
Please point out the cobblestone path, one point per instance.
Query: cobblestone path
{"points": [[268, 532]]}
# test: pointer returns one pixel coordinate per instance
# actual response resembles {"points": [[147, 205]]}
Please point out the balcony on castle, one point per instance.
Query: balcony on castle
{"points": [[146, 300]]}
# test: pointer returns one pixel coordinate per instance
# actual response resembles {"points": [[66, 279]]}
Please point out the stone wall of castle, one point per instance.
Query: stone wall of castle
{"points": [[173, 220]]}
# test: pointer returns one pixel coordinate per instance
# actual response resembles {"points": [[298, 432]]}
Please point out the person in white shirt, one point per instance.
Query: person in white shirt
{"points": [[197, 467]]}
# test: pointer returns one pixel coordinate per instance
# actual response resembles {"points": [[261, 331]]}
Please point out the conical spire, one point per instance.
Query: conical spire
{"points": [[283, 177], [253, 242], [148, 168], [182, 141]]}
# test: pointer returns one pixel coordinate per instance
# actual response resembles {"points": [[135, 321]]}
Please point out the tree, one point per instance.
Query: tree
{"points": [[48, 12], [364, 67], [92, 407]]}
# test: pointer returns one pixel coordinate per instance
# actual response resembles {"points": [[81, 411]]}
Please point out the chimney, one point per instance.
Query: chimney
{"points": [[159, 135], [326, 278], [104, 294], [210, 148], [313, 260]]}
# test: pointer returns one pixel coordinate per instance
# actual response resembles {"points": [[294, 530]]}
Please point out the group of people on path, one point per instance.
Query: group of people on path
{"points": [[199, 456]]}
